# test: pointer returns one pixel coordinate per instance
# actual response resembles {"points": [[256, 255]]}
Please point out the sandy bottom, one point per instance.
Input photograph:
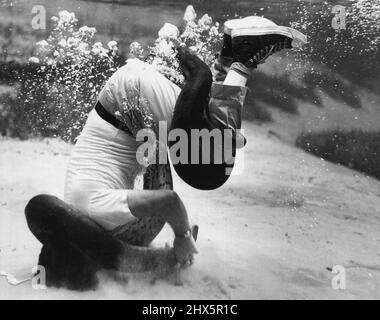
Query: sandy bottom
{"points": [[270, 232]]}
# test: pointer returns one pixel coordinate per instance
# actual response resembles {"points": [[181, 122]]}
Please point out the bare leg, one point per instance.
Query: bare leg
{"points": [[235, 78]]}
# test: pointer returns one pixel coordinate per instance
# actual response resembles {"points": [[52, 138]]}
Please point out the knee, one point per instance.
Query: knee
{"points": [[196, 68], [36, 206]]}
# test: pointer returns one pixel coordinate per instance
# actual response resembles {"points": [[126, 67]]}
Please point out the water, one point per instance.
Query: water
{"points": [[140, 20]]}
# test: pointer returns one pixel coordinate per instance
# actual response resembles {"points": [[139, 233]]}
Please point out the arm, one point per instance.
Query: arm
{"points": [[167, 205], [163, 203]]}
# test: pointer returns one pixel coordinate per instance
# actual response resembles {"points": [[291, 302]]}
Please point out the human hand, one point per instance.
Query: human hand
{"points": [[184, 250]]}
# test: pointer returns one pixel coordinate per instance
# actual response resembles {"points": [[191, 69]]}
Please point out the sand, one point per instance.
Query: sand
{"points": [[270, 232]]}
